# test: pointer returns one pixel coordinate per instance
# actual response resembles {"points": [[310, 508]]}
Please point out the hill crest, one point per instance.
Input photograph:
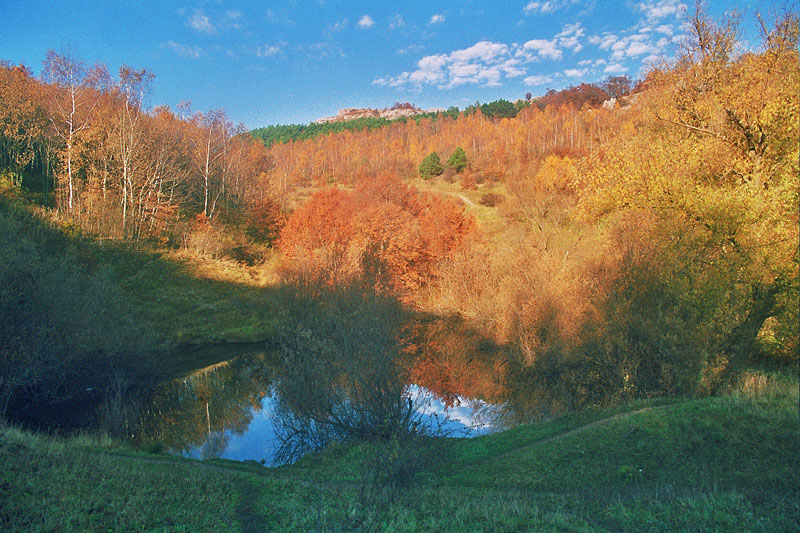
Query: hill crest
{"points": [[389, 113]]}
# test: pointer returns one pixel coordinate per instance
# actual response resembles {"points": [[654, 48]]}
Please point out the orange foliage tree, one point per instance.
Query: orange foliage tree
{"points": [[382, 230]]}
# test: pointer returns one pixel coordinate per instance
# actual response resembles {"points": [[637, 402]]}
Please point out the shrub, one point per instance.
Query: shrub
{"points": [[345, 380], [491, 199], [468, 180]]}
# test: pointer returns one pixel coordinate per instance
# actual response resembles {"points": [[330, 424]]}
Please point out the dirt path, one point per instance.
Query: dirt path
{"points": [[249, 522], [463, 199]]}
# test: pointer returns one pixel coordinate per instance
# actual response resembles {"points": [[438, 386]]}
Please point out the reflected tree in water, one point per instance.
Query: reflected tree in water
{"points": [[203, 409]]}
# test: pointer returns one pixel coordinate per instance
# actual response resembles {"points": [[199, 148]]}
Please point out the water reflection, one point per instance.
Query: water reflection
{"points": [[227, 411], [202, 414]]}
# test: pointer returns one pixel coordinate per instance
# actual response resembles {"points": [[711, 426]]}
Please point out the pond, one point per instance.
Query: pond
{"points": [[229, 410]]}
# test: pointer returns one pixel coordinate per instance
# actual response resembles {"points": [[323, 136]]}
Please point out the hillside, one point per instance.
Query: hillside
{"points": [[726, 463], [617, 282]]}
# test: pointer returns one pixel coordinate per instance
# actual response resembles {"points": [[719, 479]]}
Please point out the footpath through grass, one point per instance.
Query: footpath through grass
{"points": [[726, 463]]}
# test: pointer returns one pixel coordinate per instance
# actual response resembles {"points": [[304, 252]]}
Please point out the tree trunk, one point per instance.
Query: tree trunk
{"points": [[740, 340]]}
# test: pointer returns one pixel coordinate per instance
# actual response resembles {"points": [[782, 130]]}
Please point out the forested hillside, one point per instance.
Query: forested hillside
{"points": [[614, 251]]}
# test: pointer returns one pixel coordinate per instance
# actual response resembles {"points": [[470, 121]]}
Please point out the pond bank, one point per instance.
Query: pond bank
{"points": [[723, 463]]}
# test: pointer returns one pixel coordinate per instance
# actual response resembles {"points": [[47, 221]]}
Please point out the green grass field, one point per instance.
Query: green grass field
{"points": [[725, 463]]}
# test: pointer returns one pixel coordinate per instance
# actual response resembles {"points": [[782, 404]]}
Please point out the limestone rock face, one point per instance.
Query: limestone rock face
{"points": [[610, 104], [389, 113]]}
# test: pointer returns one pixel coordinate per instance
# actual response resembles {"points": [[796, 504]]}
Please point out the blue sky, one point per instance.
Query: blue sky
{"points": [[279, 62]]}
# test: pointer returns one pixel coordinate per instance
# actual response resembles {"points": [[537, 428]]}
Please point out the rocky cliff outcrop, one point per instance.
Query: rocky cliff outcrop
{"points": [[389, 113]]}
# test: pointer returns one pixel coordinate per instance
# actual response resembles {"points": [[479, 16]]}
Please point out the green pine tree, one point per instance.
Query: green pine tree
{"points": [[431, 166], [457, 160]]}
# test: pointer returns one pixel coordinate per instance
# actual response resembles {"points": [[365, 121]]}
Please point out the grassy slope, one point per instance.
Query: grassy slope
{"points": [[726, 463], [184, 299], [192, 301]]}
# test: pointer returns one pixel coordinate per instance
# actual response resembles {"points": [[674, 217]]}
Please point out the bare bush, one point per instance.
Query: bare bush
{"points": [[344, 380]]}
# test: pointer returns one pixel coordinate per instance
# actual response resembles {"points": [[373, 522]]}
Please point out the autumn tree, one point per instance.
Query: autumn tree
{"points": [[382, 231], [617, 86], [578, 96], [24, 122], [73, 103], [133, 86], [715, 170], [210, 141], [265, 220], [164, 171]]}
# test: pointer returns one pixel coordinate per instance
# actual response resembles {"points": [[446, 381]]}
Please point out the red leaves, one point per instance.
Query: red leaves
{"points": [[384, 232]]}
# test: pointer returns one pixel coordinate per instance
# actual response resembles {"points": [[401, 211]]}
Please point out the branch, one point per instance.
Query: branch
{"points": [[689, 126]]}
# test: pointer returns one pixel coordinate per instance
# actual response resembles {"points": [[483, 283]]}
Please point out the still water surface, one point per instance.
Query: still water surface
{"points": [[227, 410]]}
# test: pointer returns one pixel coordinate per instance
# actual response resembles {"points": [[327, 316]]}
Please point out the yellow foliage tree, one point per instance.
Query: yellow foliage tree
{"points": [[716, 164]]}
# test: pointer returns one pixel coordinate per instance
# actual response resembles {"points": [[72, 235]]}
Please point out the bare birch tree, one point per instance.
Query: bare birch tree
{"points": [[73, 103]]}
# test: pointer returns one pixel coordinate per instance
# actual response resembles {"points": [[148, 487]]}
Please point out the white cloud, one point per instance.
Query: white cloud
{"points": [[397, 22], [512, 69], [652, 59], [489, 63], [437, 18], [548, 6], [604, 41], [183, 50], [642, 40], [637, 48], [410, 49], [592, 62], [542, 7], [658, 9], [615, 68], [200, 22], [486, 63], [366, 22], [571, 29], [232, 17], [544, 48], [666, 29], [534, 81], [484, 51], [570, 37], [280, 18], [267, 50], [338, 26], [320, 50], [636, 45]]}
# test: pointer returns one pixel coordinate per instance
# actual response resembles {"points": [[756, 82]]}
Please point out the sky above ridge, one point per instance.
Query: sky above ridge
{"points": [[281, 62]]}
